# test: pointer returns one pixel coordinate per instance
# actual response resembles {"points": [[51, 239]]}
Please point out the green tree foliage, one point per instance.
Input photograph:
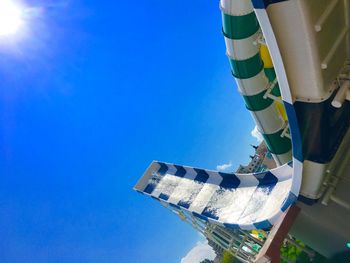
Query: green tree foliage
{"points": [[207, 261], [290, 251], [228, 258], [293, 253]]}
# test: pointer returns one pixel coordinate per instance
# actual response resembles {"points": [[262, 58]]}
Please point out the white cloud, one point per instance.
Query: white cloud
{"points": [[200, 252], [224, 166], [256, 134]]}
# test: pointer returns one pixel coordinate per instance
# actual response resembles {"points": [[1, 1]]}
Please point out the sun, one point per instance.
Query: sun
{"points": [[11, 17]]}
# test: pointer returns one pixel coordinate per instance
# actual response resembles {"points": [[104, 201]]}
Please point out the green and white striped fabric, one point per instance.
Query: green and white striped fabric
{"points": [[241, 31]]}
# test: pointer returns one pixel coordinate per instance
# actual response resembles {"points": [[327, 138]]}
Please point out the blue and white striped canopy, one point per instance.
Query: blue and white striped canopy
{"points": [[245, 201]]}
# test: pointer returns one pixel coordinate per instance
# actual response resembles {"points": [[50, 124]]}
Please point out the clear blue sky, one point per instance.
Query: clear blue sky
{"points": [[93, 94]]}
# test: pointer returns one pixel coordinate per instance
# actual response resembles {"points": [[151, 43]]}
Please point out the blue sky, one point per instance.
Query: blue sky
{"points": [[90, 94]]}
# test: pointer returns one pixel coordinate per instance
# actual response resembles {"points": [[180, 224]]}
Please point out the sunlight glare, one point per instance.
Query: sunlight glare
{"points": [[10, 17]]}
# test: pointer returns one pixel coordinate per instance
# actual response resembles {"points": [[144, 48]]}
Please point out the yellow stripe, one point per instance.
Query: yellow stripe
{"points": [[265, 56], [281, 110]]}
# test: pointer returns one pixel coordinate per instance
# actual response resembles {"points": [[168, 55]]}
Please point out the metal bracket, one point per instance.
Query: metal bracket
{"points": [[269, 90], [286, 132], [260, 40]]}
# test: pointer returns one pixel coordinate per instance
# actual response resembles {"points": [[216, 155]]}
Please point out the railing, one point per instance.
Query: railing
{"points": [[244, 245]]}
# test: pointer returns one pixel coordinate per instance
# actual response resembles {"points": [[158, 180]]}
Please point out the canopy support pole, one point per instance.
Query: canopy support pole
{"points": [[270, 252]]}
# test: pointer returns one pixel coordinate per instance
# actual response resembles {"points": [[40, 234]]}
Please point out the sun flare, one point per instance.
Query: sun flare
{"points": [[10, 17]]}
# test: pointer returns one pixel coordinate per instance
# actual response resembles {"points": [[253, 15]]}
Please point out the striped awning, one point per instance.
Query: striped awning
{"points": [[246, 201]]}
